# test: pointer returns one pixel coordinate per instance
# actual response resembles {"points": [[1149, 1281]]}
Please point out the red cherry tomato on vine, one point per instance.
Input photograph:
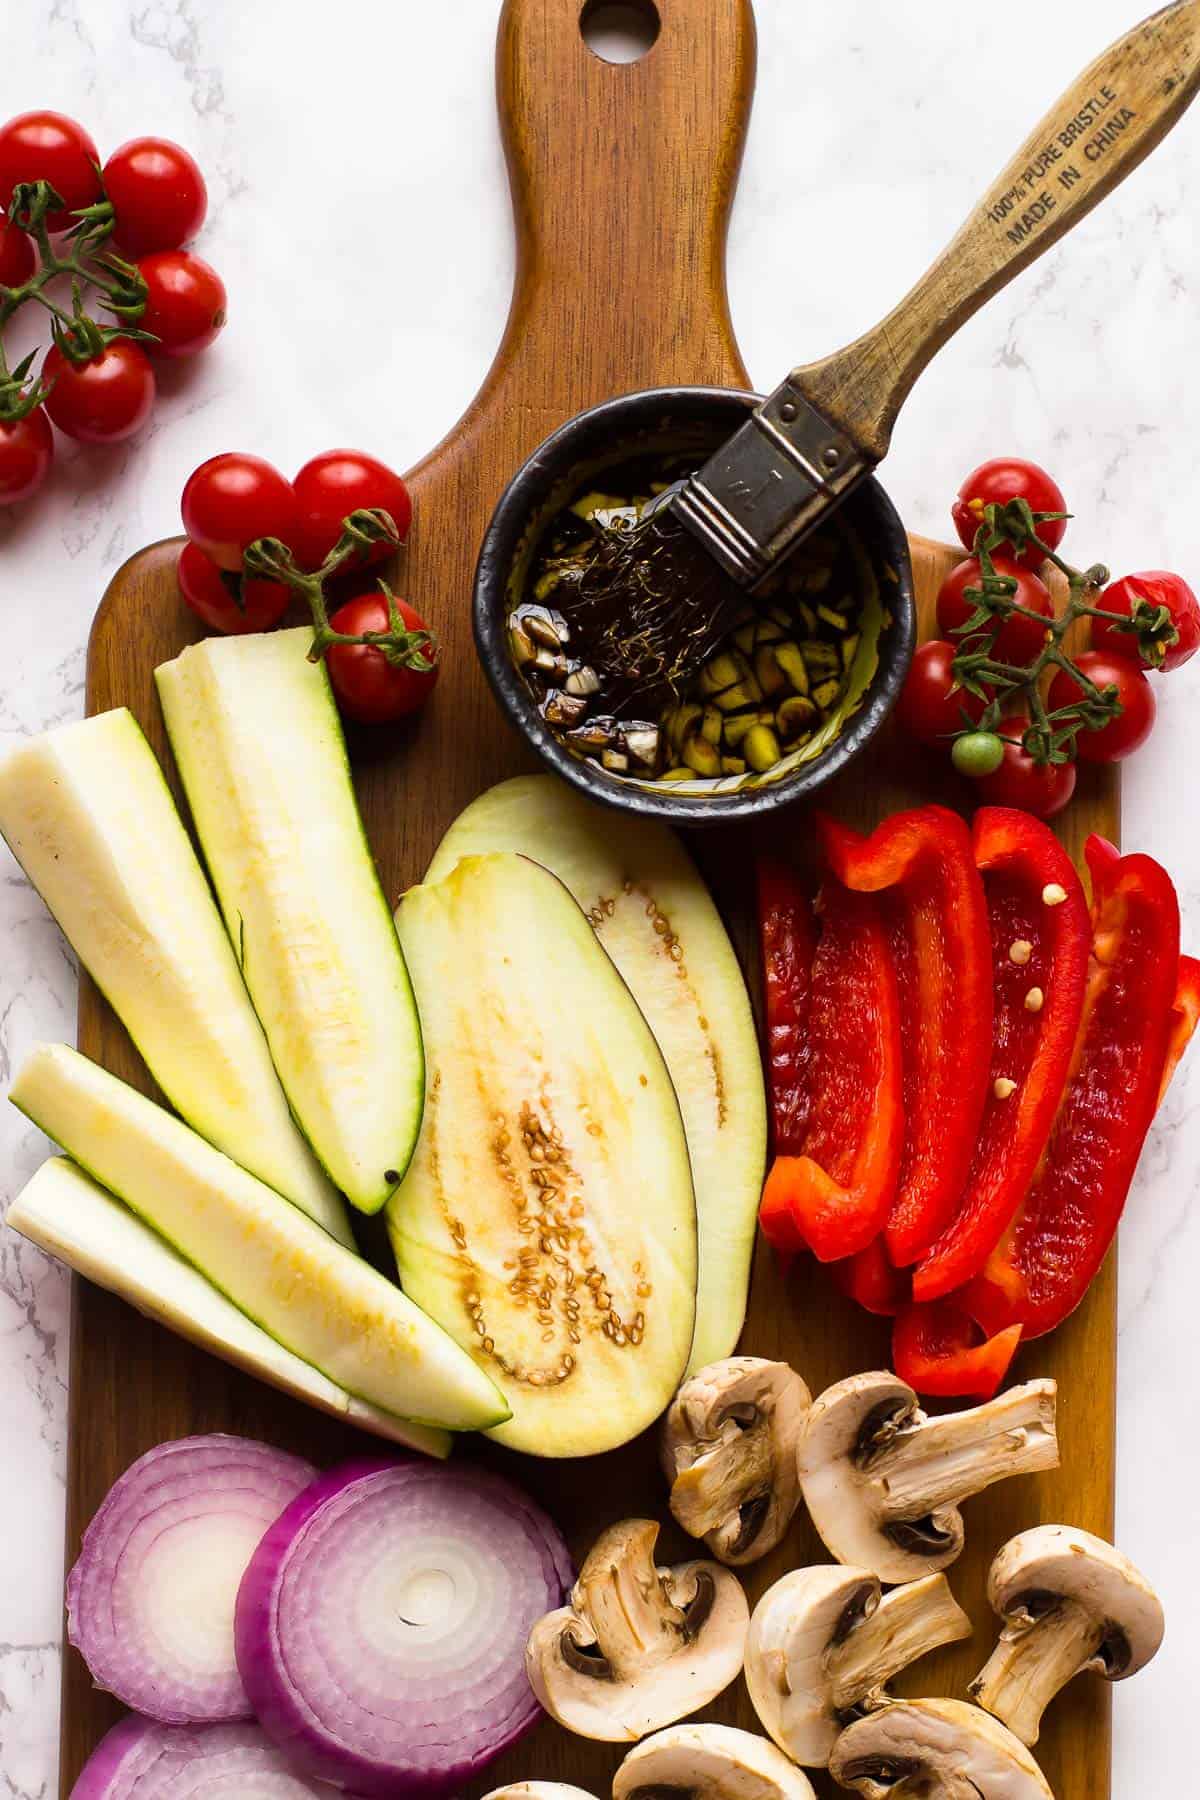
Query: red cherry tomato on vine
{"points": [[1040, 789], [340, 482], [1008, 478], [104, 400], [185, 302], [368, 687], [18, 258], [1158, 588], [1123, 735], [931, 706], [26, 452], [231, 500], [158, 195], [211, 594], [47, 146], [1018, 640]]}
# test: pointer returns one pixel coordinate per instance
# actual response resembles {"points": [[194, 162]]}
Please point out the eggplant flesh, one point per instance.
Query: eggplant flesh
{"points": [[654, 916], [547, 1220]]}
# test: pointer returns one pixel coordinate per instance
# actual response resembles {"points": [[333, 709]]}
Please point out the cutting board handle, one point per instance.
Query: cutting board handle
{"points": [[622, 177], [1097, 133]]}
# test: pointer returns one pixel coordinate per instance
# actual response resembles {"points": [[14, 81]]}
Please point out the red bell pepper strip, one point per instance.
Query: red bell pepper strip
{"points": [[871, 1281], [923, 861], [1039, 974], [1185, 1015], [834, 1193], [788, 946], [1053, 1249], [939, 1350]]}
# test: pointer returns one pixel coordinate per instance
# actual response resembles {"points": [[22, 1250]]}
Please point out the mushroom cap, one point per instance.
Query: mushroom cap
{"points": [[937, 1749], [638, 1646], [728, 1445], [787, 1655], [714, 1761], [836, 1491], [539, 1790], [1061, 1562]]}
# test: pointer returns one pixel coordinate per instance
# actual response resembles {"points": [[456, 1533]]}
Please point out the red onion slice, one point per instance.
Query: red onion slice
{"points": [[150, 1600], [140, 1759], [381, 1624]]}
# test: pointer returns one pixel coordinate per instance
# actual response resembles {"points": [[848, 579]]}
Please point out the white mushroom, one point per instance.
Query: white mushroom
{"points": [[709, 1762], [1069, 1602], [538, 1790], [824, 1643], [883, 1482], [729, 1450], [638, 1647], [935, 1750]]}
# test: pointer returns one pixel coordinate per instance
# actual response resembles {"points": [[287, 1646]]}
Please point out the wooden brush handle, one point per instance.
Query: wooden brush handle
{"points": [[1099, 131]]}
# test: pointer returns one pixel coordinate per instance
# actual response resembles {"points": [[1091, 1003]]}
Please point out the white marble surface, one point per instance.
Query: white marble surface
{"points": [[359, 217]]}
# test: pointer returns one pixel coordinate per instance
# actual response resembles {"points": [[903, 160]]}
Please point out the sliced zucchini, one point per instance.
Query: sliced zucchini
{"points": [[315, 1298], [655, 917], [547, 1220], [70, 1216], [87, 814], [259, 746]]}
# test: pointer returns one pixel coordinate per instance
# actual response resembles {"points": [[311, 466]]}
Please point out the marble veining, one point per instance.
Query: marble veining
{"points": [[359, 217]]}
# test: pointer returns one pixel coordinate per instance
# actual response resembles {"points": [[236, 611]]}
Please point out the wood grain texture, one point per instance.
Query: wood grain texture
{"points": [[1102, 127], [622, 179]]}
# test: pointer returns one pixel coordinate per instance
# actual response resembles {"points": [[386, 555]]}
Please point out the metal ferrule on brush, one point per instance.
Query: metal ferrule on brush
{"points": [[770, 485]]}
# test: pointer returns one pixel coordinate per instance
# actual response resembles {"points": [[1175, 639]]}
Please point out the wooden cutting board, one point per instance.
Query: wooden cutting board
{"points": [[622, 180]]}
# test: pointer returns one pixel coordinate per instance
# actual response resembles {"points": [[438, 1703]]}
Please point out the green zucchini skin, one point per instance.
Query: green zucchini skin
{"points": [[259, 746], [70, 1216], [87, 812], [319, 1300]]}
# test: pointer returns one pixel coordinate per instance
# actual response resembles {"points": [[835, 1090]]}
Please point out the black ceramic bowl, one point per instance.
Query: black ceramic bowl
{"points": [[673, 421]]}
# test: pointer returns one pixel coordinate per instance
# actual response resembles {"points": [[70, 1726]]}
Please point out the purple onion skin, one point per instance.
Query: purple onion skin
{"points": [[102, 1766], [164, 1755], [279, 1715], [108, 1658]]}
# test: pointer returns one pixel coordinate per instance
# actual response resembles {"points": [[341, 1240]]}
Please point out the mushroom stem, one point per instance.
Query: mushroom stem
{"points": [[626, 1600], [907, 1624], [936, 1463], [1038, 1653]]}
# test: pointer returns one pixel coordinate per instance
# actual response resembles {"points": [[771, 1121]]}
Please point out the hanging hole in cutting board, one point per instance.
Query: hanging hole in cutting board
{"points": [[620, 31]]}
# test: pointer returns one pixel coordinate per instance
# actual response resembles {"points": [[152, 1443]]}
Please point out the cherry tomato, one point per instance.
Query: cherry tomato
{"points": [[103, 400], [185, 302], [1018, 640], [977, 754], [1124, 734], [158, 195], [211, 594], [233, 499], [47, 146], [367, 686], [340, 482], [18, 258], [931, 707], [1159, 588], [1040, 789], [26, 452], [1008, 478]]}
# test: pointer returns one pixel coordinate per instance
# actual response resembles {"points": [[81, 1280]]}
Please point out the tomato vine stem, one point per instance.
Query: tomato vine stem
{"points": [[1012, 688], [269, 559], [118, 285]]}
